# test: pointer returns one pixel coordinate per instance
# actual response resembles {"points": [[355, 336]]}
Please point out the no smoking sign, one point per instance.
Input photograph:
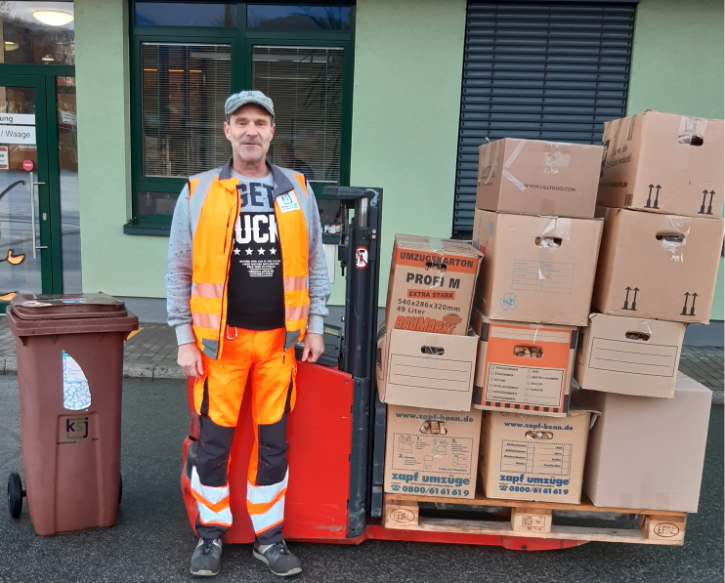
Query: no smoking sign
{"points": [[361, 257]]}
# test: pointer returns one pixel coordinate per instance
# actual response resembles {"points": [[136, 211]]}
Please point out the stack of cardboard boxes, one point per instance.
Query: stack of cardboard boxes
{"points": [[426, 362], [661, 191], [534, 220], [543, 276]]}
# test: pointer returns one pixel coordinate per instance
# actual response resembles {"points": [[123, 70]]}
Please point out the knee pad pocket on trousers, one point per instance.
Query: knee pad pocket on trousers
{"points": [[212, 456], [272, 440]]}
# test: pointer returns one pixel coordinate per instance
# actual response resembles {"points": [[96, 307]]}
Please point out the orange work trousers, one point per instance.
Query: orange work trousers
{"points": [[218, 399]]}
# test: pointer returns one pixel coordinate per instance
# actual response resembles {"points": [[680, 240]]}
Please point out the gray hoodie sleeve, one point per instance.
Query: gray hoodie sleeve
{"points": [[319, 279], [179, 271]]}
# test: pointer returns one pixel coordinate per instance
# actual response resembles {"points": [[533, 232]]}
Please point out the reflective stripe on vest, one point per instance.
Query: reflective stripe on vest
{"points": [[213, 203]]}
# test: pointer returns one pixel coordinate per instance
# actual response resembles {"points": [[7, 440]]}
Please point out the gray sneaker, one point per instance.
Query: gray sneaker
{"points": [[278, 558], [207, 558]]}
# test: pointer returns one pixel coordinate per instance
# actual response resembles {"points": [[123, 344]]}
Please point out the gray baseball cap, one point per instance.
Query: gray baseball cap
{"points": [[236, 101]]}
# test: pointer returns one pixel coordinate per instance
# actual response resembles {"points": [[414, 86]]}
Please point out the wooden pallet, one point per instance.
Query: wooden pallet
{"points": [[534, 520]]}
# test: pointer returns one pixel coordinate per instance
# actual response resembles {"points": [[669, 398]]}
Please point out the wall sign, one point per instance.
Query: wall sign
{"points": [[17, 134], [4, 158], [15, 119]]}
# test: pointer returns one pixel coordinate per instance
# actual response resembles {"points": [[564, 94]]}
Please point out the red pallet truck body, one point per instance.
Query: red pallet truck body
{"points": [[337, 429]]}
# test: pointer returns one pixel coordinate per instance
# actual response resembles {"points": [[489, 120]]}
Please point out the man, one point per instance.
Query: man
{"points": [[247, 279]]}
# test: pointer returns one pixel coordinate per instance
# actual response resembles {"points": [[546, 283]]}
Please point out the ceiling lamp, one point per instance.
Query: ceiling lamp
{"points": [[11, 46], [48, 59], [53, 17]]}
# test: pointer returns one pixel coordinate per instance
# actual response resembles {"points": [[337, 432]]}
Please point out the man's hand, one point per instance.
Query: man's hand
{"points": [[190, 361], [314, 347]]}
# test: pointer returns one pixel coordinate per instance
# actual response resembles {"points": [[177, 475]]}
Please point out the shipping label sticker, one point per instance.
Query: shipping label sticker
{"points": [[525, 385], [288, 202]]}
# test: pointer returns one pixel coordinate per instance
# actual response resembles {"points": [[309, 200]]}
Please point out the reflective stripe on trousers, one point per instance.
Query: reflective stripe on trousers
{"points": [[265, 505]]}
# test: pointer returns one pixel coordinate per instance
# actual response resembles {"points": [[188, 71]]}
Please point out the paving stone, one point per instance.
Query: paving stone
{"points": [[136, 370], [168, 372]]}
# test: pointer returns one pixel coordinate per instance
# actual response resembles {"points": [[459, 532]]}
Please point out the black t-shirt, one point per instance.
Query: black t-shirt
{"points": [[255, 295]]}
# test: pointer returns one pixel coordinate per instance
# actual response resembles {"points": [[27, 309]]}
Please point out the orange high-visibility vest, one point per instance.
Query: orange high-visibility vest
{"points": [[214, 207]]}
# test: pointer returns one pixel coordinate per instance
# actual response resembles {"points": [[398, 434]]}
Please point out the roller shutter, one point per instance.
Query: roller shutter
{"points": [[539, 70]]}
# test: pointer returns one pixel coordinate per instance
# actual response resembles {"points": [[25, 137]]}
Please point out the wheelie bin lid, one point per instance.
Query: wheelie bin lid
{"points": [[38, 314]]}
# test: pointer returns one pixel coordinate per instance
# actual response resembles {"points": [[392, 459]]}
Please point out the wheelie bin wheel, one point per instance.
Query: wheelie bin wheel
{"points": [[15, 495]]}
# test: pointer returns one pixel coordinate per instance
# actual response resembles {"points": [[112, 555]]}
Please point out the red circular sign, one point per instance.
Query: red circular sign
{"points": [[27, 165]]}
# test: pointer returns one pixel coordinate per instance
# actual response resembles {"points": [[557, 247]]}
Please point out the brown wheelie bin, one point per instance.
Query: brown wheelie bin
{"points": [[70, 370]]}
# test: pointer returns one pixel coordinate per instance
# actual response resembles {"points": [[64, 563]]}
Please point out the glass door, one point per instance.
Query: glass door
{"points": [[25, 246]]}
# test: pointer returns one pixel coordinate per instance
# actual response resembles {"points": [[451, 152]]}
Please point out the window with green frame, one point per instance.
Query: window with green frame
{"points": [[188, 57]]}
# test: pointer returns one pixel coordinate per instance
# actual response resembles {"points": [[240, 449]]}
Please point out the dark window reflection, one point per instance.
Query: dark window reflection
{"points": [[298, 17], [184, 88], [157, 203], [305, 84], [70, 223], [182, 14], [38, 33]]}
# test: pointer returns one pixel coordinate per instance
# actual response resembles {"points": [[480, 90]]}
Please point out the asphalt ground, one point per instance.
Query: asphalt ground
{"points": [[153, 541]]}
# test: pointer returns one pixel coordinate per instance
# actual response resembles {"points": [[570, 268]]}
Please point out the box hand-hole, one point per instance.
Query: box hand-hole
{"points": [[434, 350], [438, 266], [434, 428], [528, 351], [671, 237], [643, 336], [540, 435], [548, 242], [691, 140]]}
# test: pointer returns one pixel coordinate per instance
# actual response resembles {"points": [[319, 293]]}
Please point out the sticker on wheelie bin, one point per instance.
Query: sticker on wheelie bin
{"points": [[76, 394]]}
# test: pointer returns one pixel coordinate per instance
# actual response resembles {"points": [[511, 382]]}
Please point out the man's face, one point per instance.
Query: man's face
{"points": [[250, 131]]}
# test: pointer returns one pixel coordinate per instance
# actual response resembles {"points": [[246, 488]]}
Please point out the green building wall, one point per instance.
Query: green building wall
{"points": [[111, 262], [406, 105], [408, 67], [677, 67]]}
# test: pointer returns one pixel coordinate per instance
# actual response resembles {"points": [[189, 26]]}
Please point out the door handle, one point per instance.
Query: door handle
{"points": [[33, 184]]}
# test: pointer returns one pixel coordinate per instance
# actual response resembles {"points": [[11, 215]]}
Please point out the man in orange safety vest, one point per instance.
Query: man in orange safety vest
{"points": [[247, 279]]}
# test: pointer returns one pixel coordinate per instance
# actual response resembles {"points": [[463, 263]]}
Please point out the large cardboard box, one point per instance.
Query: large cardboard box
{"points": [[658, 266], [538, 178], [532, 457], [649, 453], [536, 269], [431, 285], [629, 356], [663, 163], [426, 370], [431, 452], [523, 366]]}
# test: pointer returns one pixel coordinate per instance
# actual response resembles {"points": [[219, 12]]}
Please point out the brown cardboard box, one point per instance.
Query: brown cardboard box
{"points": [[538, 178], [536, 269], [531, 457], [658, 266], [426, 370], [629, 356], [430, 452], [508, 377], [649, 453], [663, 163], [431, 285]]}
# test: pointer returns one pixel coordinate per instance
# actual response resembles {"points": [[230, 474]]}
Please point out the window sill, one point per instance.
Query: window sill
{"points": [[146, 229]]}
